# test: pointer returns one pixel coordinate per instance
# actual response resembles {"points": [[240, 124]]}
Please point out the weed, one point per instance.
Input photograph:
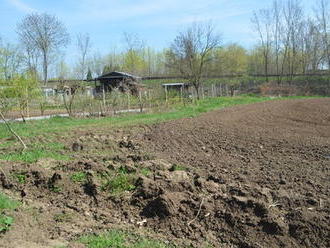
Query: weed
{"points": [[56, 189], [78, 177], [5, 222], [119, 183], [145, 171], [20, 177]]}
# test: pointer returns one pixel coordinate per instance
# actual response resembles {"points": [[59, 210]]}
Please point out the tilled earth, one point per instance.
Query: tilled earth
{"points": [[246, 176]]}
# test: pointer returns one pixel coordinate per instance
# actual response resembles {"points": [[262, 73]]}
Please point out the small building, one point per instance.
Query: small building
{"points": [[123, 81]]}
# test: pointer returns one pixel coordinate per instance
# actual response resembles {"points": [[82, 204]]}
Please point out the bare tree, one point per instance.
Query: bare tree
{"points": [[262, 23], [323, 17], [45, 33], [84, 45], [191, 51]]}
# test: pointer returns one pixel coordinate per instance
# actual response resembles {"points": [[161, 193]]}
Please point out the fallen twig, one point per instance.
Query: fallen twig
{"points": [[199, 211]]}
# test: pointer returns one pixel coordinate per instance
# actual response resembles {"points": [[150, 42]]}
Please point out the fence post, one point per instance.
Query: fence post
{"points": [[166, 93]]}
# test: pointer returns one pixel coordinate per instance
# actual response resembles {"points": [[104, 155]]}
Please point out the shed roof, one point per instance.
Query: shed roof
{"points": [[174, 84], [117, 74]]}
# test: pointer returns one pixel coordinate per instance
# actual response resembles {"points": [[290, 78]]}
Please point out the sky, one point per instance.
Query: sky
{"points": [[157, 22]]}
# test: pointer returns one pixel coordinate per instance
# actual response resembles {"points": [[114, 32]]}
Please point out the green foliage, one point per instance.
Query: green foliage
{"points": [[120, 239], [78, 177], [20, 90], [230, 60]]}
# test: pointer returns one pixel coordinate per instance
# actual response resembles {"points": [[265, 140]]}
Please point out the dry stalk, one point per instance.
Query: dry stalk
{"points": [[13, 132], [199, 211]]}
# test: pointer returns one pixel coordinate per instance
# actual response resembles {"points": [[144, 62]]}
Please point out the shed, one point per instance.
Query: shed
{"points": [[125, 82]]}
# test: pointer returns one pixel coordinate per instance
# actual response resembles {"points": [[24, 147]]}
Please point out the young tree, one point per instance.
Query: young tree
{"points": [[10, 60], [191, 52], [133, 58], [45, 33]]}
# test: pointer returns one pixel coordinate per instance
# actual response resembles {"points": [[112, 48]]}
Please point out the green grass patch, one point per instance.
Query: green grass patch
{"points": [[119, 182], [6, 204], [145, 171], [36, 152], [20, 177], [120, 239], [78, 177], [178, 167]]}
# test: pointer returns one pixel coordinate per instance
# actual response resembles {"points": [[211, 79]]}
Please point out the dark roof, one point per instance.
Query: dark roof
{"points": [[175, 84], [116, 74]]}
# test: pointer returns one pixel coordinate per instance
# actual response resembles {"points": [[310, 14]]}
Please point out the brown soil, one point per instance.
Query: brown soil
{"points": [[246, 176]]}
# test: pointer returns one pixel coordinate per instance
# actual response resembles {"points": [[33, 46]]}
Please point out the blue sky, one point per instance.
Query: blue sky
{"points": [[155, 21]]}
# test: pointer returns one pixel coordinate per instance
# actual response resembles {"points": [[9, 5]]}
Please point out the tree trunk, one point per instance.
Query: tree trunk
{"points": [[45, 67]]}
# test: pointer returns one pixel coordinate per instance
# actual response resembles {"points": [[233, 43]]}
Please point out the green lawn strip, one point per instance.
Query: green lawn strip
{"points": [[6, 205], [60, 124], [35, 152], [120, 239]]}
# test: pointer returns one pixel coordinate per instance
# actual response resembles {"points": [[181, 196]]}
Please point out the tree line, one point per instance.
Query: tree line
{"points": [[290, 42]]}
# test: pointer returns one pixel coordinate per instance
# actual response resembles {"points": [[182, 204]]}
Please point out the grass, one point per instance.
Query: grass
{"points": [[145, 171], [120, 239], [121, 183], [178, 167], [6, 204], [118, 183], [78, 177], [20, 177], [36, 152]]}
